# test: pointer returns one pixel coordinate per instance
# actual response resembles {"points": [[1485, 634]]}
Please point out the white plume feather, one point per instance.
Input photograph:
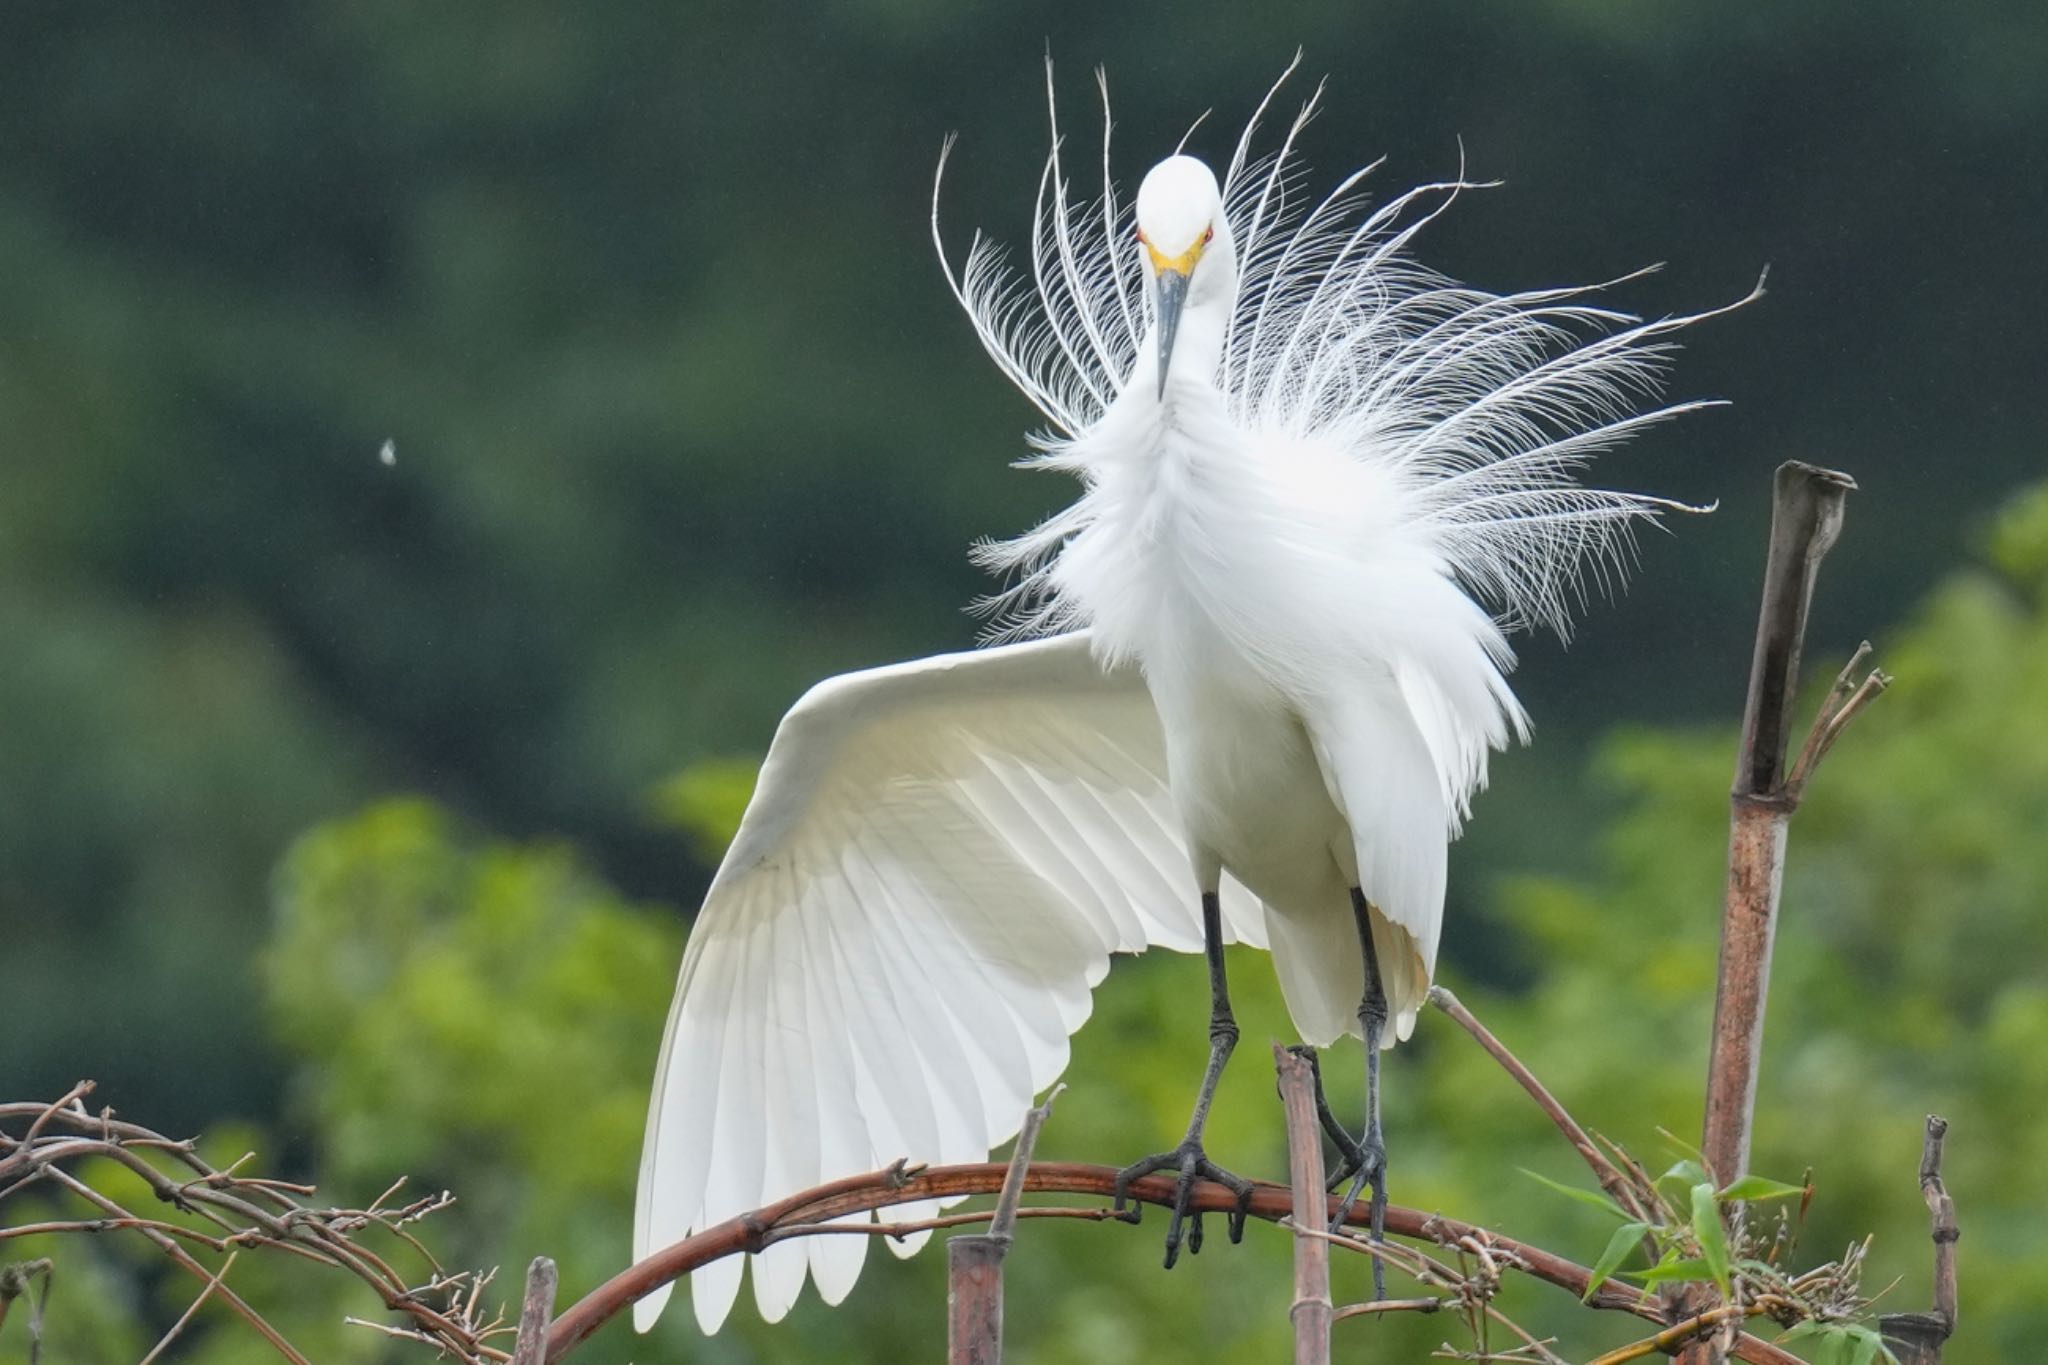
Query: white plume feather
{"points": [[1478, 410]]}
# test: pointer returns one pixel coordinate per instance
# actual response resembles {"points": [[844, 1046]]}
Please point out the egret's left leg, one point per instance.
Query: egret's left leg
{"points": [[1189, 1161], [1372, 1014]]}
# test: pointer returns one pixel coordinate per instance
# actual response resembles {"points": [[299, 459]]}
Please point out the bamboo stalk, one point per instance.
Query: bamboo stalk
{"points": [[1311, 1312], [1806, 518], [531, 1345]]}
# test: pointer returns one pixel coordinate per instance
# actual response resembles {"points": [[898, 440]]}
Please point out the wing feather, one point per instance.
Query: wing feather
{"points": [[835, 1260], [790, 1091], [938, 861]]}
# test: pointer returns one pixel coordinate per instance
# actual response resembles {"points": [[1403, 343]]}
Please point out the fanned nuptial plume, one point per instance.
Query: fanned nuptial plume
{"points": [[1480, 409]]}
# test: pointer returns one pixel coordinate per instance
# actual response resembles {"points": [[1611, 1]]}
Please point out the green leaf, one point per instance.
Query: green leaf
{"points": [[1587, 1197], [1840, 1343], [1680, 1179], [1821, 1335], [1625, 1239], [1665, 1272], [1869, 1345], [1713, 1238], [1754, 1187]]}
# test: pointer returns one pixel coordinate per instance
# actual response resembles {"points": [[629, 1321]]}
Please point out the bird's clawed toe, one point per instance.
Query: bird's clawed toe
{"points": [[1365, 1163], [1191, 1165], [1371, 1169]]}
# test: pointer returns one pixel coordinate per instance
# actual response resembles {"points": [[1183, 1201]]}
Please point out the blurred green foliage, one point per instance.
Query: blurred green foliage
{"points": [[684, 419]]}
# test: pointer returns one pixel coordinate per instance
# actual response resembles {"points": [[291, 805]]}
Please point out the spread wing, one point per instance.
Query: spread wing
{"points": [[938, 860]]}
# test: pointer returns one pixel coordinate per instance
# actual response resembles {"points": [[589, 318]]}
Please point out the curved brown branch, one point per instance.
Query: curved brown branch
{"points": [[901, 1185]]}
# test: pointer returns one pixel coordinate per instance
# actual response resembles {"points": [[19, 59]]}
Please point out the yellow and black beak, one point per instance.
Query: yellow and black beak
{"points": [[1170, 286]]}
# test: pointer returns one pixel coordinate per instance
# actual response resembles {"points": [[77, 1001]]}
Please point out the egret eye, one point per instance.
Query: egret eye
{"points": [[1141, 236], [1208, 235]]}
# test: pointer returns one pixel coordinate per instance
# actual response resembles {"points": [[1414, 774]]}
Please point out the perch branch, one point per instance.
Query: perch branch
{"points": [[896, 1232], [902, 1184]]}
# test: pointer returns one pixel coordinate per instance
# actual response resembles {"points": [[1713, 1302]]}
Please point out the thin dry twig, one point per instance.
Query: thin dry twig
{"points": [[14, 1283], [184, 1261], [1611, 1179], [1004, 1224], [1421, 1305], [205, 1292], [1830, 706], [233, 1211]]}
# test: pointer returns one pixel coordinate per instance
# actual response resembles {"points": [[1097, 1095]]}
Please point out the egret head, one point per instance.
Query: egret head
{"points": [[1181, 225]]}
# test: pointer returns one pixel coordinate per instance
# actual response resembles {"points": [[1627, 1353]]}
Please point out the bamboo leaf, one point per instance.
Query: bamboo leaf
{"points": [[1712, 1237], [1691, 1268], [1587, 1197], [1680, 1179], [1869, 1346], [1754, 1187], [1625, 1239]]}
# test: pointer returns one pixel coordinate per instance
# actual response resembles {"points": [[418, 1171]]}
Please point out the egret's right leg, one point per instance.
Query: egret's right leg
{"points": [[1352, 1155], [1372, 1167], [1188, 1159]]}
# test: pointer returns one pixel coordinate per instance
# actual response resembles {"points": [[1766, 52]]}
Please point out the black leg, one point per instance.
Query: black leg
{"points": [[1188, 1159], [1372, 1014], [1351, 1155]]}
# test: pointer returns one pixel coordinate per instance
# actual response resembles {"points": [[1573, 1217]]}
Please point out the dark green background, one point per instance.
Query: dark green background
{"points": [[685, 418]]}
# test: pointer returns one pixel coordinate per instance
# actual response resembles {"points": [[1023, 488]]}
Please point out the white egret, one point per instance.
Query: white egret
{"points": [[1320, 485]]}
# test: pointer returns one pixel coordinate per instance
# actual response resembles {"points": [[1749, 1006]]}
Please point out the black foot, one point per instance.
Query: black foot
{"points": [[1371, 1167], [1192, 1164], [1365, 1163]]}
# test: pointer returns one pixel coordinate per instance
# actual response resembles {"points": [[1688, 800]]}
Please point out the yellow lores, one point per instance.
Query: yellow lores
{"points": [[1183, 264]]}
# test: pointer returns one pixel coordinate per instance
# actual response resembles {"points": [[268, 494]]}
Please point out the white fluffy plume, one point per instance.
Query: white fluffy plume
{"points": [[1478, 410]]}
